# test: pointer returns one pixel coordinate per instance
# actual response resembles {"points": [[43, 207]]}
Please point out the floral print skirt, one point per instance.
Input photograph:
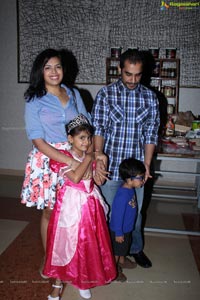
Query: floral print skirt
{"points": [[40, 182]]}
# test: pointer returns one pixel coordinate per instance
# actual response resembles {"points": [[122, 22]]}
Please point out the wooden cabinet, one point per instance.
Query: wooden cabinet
{"points": [[112, 69], [165, 77], [166, 80]]}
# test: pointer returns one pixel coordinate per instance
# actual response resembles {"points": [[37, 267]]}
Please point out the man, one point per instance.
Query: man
{"points": [[125, 115]]}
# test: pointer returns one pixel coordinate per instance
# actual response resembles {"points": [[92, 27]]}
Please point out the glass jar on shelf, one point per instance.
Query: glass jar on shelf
{"points": [[168, 91], [170, 109]]}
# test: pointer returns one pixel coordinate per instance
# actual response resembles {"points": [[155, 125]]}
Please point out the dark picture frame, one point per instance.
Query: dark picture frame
{"points": [[90, 28]]}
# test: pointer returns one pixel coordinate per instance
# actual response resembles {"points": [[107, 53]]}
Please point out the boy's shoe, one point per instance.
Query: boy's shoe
{"points": [[142, 260], [128, 264], [120, 276]]}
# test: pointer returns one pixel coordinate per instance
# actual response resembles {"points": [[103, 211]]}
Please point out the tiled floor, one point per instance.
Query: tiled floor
{"points": [[176, 258], [9, 230]]}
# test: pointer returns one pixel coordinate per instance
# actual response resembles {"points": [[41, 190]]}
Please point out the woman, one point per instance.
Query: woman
{"points": [[51, 102]]}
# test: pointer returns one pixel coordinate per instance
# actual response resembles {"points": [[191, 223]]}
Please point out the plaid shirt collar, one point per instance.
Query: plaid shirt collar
{"points": [[121, 87]]}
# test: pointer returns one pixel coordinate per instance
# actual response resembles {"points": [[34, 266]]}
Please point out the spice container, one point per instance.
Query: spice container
{"points": [[170, 109], [171, 53], [196, 125], [168, 91], [116, 52], [156, 71], [154, 52]]}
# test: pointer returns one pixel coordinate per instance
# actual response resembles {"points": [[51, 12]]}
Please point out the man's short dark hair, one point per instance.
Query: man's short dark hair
{"points": [[132, 55]]}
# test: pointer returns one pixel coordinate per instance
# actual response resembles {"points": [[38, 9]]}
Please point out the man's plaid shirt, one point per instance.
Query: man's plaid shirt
{"points": [[127, 119]]}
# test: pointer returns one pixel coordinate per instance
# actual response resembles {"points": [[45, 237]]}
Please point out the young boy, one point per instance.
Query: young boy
{"points": [[124, 210]]}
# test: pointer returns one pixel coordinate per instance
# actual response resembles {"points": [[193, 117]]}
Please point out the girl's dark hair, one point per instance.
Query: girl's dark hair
{"points": [[84, 127], [37, 84], [131, 167], [132, 55]]}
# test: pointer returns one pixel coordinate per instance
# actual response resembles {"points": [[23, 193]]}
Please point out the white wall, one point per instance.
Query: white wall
{"points": [[189, 100], [14, 145]]}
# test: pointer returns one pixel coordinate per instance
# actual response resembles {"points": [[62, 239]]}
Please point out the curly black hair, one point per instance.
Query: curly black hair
{"points": [[37, 84]]}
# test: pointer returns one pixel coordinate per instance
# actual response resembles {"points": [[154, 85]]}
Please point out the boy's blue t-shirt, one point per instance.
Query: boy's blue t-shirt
{"points": [[123, 213]]}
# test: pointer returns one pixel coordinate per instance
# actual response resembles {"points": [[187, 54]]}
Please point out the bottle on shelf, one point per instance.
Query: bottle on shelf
{"points": [[170, 126]]}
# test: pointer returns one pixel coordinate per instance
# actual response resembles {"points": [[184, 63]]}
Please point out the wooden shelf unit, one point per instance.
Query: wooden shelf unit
{"points": [[166, 79], [112, 70]]}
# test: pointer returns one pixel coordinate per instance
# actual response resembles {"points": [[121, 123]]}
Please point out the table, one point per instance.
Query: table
{"points": [[182, 157], [179, 157]]}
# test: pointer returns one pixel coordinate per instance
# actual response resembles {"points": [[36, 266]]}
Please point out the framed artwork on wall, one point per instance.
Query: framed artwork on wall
{"points": [[91, 28]]}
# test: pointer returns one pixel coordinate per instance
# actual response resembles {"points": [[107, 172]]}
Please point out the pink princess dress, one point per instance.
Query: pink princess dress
{"points": [[78, 243]]}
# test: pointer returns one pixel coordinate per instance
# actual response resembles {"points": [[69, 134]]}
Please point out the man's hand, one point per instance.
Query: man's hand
{"points": [[101, 166], [147, 173], [101, 156], [100, 171]]}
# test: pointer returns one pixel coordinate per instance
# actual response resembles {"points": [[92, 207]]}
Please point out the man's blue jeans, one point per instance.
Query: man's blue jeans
{"points": [[109, 190]]}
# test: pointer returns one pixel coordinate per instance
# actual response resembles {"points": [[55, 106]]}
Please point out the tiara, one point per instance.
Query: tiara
{"points": [[77, 121]]}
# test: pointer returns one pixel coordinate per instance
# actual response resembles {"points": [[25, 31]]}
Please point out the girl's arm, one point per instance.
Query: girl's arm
{"points": [[54, 154], [77, 174]]}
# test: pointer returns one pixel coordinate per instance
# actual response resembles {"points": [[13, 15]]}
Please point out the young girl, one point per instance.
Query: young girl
{"points": [[78, 243]]}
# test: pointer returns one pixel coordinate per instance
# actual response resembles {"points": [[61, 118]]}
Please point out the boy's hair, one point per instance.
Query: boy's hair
{"points": [[78, 124], [131, 167]]}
